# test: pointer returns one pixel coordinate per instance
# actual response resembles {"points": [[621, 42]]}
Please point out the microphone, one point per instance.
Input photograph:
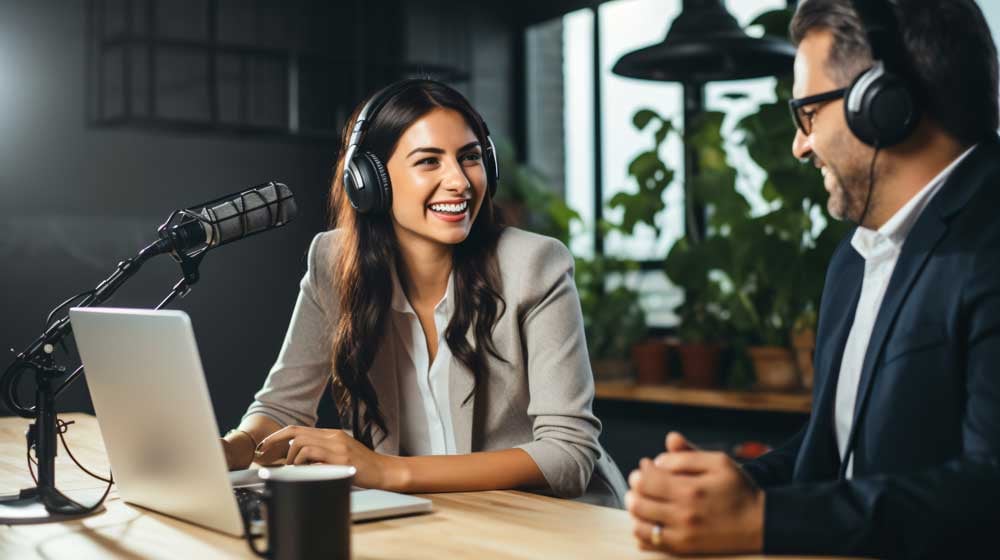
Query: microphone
{"points": [[194, 230]]}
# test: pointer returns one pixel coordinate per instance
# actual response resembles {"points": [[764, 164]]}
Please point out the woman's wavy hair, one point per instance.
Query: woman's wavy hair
{"points": [[368, 252]]}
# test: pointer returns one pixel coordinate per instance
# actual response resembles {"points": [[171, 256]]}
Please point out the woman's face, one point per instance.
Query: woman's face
{"points": [[438, 179]]}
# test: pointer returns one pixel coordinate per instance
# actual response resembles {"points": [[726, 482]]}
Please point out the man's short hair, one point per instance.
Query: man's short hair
{"points": [[948, 45]]}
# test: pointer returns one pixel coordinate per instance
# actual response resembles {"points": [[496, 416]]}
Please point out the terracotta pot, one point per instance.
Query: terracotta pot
{"points": [[700, 363], [611, 369], [774, 367], [804, 343], [650, 360]]}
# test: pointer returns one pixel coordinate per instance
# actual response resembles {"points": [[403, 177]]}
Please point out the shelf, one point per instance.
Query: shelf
{"points": [[798, 402]]}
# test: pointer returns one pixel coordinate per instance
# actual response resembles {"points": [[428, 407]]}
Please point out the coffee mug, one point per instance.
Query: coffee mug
{"points": [[308, 512]]}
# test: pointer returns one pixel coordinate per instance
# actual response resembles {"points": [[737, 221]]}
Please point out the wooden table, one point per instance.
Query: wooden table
{"points": [[481, 525]]}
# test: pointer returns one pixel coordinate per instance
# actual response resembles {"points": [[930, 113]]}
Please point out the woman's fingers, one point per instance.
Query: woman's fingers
{"points": [[307, 455], [328, 447], [275, 446]]}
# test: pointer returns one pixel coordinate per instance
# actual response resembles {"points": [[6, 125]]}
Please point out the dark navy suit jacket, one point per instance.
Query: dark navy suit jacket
{"points": [[926, 433]]}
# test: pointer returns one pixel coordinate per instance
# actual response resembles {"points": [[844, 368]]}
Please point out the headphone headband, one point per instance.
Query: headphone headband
{"points": [[371, 108], [882, 30]]}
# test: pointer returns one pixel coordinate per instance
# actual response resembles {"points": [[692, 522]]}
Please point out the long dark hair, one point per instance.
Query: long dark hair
{"points": [[362, 267]]}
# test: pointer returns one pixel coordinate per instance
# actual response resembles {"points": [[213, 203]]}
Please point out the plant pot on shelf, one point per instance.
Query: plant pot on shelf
{"points": [[803, 345], [650, 358], [774, 367], [611, 369], [699, 363]]}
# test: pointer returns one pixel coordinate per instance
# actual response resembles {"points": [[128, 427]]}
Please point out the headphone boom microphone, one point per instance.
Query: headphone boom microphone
{"points": [[205, 226]]}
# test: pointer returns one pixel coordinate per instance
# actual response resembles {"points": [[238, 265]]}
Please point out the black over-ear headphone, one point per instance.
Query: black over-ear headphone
{"points": [[366, 179], [880, 105]]}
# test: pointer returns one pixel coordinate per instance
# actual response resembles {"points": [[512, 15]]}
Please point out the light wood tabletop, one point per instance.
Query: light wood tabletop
{"points": [[480, 525]]}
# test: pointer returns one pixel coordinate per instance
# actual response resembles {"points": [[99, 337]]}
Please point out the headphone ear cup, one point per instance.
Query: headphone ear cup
{"points": [[880, 109], [367, 184], [380, 180], [492, 166]]}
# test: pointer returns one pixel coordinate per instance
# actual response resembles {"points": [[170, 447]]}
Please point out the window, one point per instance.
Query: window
{"points": [[626, 25]]}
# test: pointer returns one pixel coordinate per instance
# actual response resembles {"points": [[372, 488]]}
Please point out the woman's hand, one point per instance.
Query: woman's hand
{"points": [[299, 445]]}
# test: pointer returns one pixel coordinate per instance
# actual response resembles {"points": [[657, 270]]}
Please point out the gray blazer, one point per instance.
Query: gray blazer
{"points": [[539, 402]]}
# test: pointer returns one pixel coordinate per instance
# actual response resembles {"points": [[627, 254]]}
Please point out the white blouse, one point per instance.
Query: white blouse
{"points": [[425, 414]]}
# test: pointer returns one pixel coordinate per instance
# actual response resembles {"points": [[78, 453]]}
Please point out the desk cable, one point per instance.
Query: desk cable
{"points": [[63, 426]]}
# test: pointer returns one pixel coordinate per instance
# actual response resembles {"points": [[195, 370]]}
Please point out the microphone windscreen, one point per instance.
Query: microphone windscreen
{"points": [[255, 210]]}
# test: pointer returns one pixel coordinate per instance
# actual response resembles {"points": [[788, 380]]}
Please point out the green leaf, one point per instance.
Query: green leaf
{"points": [[645, 165], [643, 116], [661, 134]]}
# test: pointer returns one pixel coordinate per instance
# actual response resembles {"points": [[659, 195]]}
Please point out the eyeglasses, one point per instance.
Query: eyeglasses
{"points": [[804, 118]]}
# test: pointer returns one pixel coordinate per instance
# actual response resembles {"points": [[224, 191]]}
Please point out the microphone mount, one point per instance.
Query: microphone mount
{"points": [[38, 359], [182, 229]]}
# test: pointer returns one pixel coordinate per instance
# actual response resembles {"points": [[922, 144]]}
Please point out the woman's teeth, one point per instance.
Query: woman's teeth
{"points": [[450, 208]]}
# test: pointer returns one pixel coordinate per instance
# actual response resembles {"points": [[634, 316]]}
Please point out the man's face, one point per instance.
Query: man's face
{"points": [[842, 159]]}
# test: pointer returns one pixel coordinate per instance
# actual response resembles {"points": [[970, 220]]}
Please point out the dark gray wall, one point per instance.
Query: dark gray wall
{"points": [[74, 200], [474, 41]]}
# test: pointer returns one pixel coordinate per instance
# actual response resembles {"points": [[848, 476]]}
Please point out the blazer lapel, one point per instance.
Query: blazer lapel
{"points": [[383, 379], [820, 460], [460, 385], [916, 249]]}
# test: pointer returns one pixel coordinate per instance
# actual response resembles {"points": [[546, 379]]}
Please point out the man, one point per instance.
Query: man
{"points": [[901, 455]]}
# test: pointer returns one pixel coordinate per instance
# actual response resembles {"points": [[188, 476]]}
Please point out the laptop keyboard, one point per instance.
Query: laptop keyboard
{"points": [[249, 502]]}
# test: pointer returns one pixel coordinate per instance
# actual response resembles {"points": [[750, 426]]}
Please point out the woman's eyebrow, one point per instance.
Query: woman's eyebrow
{"points": [[426, 149], [432, 150]]}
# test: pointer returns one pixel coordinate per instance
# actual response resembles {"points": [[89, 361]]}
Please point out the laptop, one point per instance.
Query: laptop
{"points": [[149, 392]]}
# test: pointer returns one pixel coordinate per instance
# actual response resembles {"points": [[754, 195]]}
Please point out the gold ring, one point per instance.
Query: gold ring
{"points": [[656, 536]]}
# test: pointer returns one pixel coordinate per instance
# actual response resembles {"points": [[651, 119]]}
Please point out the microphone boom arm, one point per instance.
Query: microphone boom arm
{"points": [[186, 236]]}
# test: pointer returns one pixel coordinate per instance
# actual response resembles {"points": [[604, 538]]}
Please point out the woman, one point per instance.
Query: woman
{"points": [[455, 344]]}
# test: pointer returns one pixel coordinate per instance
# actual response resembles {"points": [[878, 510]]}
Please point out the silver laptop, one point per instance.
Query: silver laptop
{"points": [[149, 392]]}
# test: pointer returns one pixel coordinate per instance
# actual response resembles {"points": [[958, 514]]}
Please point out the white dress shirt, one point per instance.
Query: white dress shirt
{"points": [[880, 249], [425, 414]]}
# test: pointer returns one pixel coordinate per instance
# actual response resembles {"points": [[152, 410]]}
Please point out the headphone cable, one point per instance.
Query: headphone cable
{"points": [[871, 186]]}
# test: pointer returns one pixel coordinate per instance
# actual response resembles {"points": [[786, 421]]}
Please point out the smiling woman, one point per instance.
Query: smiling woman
{"points": [[455, 344]]}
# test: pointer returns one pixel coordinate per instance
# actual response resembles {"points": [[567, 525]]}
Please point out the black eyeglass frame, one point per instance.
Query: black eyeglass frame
{"points": [[794, 105]]}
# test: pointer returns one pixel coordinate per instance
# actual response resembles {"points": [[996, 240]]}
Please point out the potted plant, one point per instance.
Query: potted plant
{"points": [[755, 274], [650, 356], [689, 266], [778, 271], [612, 318]]}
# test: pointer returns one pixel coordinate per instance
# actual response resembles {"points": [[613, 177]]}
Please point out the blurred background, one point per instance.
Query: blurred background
{"points": [[664, 165]]}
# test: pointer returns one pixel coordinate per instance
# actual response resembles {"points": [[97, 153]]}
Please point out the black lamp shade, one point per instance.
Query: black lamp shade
{"points": [[705, 44]]}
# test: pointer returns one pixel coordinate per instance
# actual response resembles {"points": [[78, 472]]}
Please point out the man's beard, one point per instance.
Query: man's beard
{"points": [[851, 197]]}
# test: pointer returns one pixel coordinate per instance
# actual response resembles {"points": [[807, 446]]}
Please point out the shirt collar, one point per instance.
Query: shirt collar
{"points": [[871, 243], [402, 305]]}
